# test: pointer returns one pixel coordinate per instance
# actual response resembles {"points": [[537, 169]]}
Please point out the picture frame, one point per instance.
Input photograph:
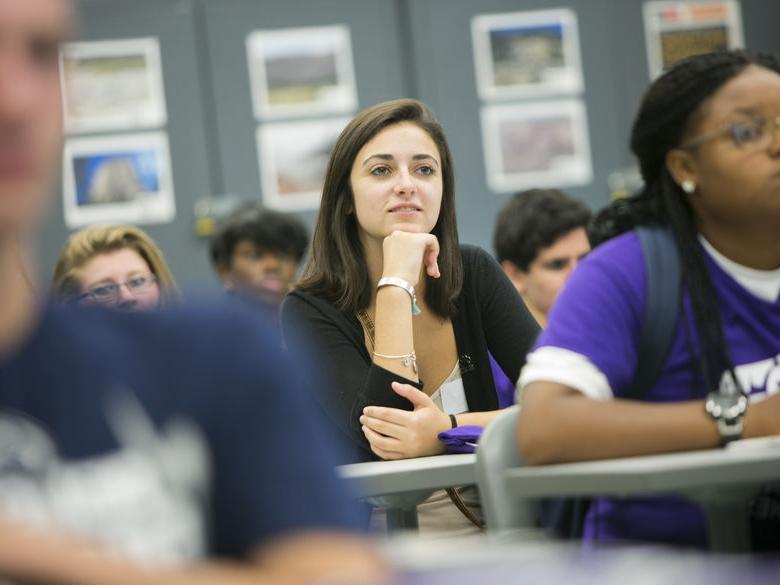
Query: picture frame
{"points": [[527, 54], [293, 158], [118, 178], [675, 30], [536, 144], [299, 72], [112, 85]]}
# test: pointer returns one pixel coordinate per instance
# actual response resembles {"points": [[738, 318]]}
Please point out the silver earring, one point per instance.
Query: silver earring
{"points": [[688, 186]]}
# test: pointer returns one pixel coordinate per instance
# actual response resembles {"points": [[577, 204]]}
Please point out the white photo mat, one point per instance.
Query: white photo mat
{"points": [[293, 158], [112, 85], [688, 28], [122, 178], [301, 71], [527, 54], [536, 144]]}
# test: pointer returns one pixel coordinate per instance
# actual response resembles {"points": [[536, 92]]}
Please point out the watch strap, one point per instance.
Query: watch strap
{"points": [[730, 430]]}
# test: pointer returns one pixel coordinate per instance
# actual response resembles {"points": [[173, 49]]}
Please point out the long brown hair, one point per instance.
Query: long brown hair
{"points": [[336, 269]]}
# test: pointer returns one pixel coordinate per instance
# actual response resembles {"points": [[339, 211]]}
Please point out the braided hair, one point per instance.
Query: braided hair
{"points": [[668, 110]]}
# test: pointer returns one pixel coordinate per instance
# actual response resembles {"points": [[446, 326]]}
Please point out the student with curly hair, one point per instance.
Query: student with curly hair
{"points": [[257, 251]]}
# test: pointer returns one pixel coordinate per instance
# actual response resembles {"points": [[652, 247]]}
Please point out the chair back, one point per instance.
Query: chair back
{"points": [[496, 453]]}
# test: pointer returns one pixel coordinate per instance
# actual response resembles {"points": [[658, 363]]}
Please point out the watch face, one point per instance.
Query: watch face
{"points": [[726, 407], [713, 408]]}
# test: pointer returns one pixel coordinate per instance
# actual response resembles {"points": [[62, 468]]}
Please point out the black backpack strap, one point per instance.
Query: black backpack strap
{"points": [[565, 517], [662, 307]]}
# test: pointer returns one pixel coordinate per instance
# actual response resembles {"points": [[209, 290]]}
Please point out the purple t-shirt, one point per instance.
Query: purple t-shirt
{"points": [[599, 315]]}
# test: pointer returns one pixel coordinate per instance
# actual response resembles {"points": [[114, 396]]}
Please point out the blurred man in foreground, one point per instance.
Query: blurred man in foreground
{"points": [[142, 448]]}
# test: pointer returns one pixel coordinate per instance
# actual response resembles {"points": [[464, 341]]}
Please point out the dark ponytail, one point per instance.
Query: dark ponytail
{"points": [[669, 108]]}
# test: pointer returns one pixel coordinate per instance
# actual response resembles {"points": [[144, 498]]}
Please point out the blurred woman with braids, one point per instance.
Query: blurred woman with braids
{"points": [[708, 145]]}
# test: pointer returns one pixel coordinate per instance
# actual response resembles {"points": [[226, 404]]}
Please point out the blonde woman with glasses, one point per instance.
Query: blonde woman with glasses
{"points": [[113, 265]]}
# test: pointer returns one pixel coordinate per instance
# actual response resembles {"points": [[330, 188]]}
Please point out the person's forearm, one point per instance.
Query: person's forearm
{"points": [[33, 556], [107, 572], [481, 419], [558, 426], [393, 331], [62, 561]]}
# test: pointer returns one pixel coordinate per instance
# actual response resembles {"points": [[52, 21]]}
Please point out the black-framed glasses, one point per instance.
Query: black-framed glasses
{"points": [[750, 134], [108, 292]]}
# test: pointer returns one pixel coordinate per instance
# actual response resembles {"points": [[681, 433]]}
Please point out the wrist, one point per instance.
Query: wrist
{"points": [[393, 292], [755, 425], [728, 412], [394, 282], [443, 424], [439, 448], [412, 280], [395, 299]]}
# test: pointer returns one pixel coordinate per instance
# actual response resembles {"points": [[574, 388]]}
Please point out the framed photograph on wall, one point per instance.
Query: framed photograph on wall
{"points": [[293, 157], [119, 178], [112, 85], [301, 71], [676, 30], [524, 54], [536, 144]]}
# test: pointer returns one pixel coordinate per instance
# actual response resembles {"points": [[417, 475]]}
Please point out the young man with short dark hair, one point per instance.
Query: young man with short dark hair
{"points": [[539, 239]]}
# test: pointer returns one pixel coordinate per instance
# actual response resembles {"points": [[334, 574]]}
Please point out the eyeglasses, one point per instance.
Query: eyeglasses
{"points": [[753, 134], [109, 293]]}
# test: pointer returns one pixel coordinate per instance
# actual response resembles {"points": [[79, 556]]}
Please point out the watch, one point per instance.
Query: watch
{"points": [[728, 410]]}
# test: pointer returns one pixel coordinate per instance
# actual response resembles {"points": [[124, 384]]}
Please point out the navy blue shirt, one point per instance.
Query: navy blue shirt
{"points": [[167, 436]]}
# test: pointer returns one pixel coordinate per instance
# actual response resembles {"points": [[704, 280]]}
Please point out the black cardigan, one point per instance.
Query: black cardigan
{"points": [[490, 316]]}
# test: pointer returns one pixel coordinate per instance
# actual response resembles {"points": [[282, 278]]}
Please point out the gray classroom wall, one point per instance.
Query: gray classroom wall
{"points": [[416, 48]]}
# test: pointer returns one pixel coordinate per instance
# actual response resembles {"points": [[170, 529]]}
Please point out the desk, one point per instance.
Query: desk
{"points": [[720, 480], [407, 482], [487, 562]]}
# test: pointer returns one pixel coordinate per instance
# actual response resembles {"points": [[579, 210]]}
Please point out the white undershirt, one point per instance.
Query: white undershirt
{"points": [[764, 284], [555, 364], [455, 401]]}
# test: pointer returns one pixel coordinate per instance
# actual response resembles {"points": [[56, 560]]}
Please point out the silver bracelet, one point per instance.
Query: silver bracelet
{"points": [[401, 283], [406, 359]]}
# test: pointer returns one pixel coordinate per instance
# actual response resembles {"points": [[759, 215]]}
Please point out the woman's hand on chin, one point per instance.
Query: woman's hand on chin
{"points": [[402, 434], [405, 254]]}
